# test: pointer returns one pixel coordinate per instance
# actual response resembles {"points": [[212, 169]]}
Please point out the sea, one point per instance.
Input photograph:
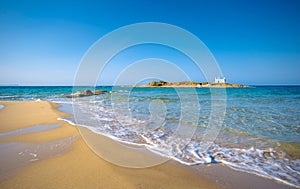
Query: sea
{"points": [[257, 130]]}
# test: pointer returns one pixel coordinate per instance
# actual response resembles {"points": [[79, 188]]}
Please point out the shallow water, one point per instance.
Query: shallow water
{"points": [[36, 128], [26, 153]]}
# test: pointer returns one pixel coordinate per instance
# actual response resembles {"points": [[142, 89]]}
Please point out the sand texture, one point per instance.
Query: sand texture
{"points": [[73, 164]]}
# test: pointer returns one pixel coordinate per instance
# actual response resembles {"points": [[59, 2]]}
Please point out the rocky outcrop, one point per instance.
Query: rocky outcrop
{"points": [[84, 93], [193, 84], [87, 93], [99, 92], [222, 85]]}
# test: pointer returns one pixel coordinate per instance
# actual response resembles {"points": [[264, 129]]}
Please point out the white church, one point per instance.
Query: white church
{"points": [[220, 80]]}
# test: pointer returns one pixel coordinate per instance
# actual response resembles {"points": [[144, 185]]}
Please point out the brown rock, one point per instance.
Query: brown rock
{"points": [[87, 93], [98, 92], [84, 93]]}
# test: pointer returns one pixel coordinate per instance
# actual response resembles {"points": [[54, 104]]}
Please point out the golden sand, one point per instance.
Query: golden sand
{"points": [[79, 167]]}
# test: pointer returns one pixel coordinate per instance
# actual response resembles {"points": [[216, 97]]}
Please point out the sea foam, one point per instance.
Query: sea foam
{"points": [[189, 151]]}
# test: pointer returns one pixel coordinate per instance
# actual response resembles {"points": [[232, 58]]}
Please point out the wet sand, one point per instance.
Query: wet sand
{"points": [[77, 166]]}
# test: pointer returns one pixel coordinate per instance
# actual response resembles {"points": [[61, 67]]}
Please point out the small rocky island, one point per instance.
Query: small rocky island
{"points": [[194, 84], [84, 93]]}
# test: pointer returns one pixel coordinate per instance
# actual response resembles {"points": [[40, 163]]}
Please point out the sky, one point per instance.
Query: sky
{"points": [[254, 42]]}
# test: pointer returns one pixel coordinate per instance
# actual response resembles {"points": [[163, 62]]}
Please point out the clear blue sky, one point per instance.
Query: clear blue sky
{"points": [[254, 42]]}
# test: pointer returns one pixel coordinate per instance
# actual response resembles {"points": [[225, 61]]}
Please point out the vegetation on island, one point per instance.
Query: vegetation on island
{"points": [[163, 83]]}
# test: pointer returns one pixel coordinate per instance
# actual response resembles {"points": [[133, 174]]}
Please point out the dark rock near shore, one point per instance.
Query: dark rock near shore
{"points": [[99, 92], [84, 93], [87, 93]]}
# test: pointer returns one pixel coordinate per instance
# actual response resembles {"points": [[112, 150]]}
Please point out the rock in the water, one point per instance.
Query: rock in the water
{"points": [[66, 95], [98, 92], [84, 93], [87, 93]]}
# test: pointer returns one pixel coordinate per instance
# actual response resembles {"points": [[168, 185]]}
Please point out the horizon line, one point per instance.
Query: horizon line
{"points": [[109, 85]]}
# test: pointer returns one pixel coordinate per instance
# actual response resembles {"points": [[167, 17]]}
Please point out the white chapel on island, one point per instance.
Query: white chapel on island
{"points": [[220, 80]]}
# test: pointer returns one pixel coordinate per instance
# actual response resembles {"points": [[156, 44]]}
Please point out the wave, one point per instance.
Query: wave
{"points": [[247, 141], [268, 163]]}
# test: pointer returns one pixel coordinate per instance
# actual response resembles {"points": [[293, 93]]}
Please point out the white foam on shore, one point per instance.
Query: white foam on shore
{"points": [[1, 106], [102, 120], [248, 160]]}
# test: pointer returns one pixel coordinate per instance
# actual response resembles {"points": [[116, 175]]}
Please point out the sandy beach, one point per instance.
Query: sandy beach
{"points": [[78, 167], [59, 158]]}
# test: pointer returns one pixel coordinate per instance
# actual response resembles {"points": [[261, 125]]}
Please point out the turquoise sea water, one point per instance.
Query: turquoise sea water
{"points": [[257, 123]]}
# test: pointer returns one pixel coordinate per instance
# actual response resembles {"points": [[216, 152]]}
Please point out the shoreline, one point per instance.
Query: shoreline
{"points": [[168, 175], [84, 169]]}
